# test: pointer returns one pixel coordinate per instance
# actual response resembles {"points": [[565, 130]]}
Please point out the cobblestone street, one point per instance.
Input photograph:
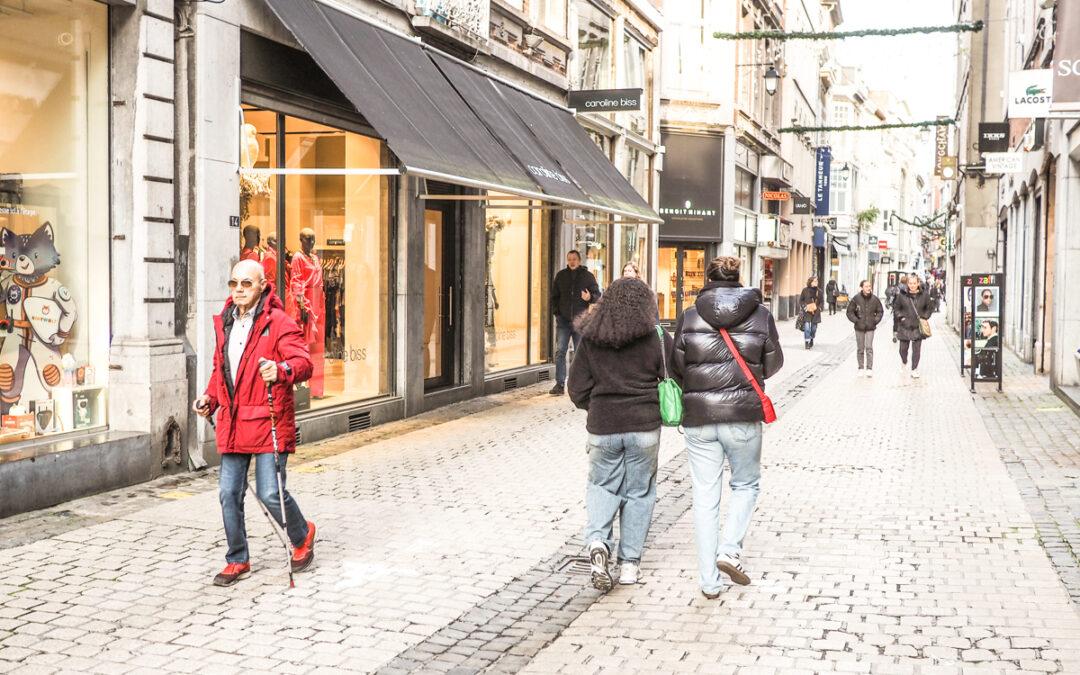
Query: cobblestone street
{"points": [[893, 534]]}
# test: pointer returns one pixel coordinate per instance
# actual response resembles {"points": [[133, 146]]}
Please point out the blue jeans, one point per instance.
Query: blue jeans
{"points": [[232, 486], [564, 332], [809, 330], [622, 474], [707, 446]]}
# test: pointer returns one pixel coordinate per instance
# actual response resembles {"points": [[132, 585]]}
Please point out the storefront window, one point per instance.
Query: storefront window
{"points": [[744, 188], [594, 47], [54, 217], [516, 287], [634, 247], [633, 76], [592, 238], [667, 282], [327, 251]]}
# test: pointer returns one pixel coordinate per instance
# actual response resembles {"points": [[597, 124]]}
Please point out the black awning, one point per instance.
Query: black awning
{"points": [[401, 93], [546, 139], [455, 124]]}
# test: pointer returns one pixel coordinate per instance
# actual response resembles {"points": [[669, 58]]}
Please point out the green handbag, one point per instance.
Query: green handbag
{"points": [[671, 408]]}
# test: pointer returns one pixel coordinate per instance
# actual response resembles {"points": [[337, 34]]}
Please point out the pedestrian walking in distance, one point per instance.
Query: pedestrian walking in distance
{"points": [[832, 289], [912, 309], [866, 312], [572, 291], [723, 414], [630, 269], [900, 286], [935, 294], [258, 348], [615, 375], [810, 307]]}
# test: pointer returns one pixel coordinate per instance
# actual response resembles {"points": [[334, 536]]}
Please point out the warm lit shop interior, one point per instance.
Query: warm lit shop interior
{"points": [[322, 233], [54, 218]]}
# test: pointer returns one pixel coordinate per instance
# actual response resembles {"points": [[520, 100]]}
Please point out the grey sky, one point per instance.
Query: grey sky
{"points": [[920, 69]]}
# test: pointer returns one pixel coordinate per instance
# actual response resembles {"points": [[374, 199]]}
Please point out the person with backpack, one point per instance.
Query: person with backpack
{"points": [[727, 335], [615, 377], [866, 312]]}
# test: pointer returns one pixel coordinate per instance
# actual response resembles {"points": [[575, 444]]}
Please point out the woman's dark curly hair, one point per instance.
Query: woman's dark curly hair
{"points": [[626, 312]]}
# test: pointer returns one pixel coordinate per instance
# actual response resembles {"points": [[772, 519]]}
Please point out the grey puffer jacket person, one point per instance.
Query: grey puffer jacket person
{"points": [[909, 308], [715, 390]]}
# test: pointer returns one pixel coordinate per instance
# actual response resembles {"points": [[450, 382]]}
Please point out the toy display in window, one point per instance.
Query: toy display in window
{"points": [[40, 316], [307, 307]]}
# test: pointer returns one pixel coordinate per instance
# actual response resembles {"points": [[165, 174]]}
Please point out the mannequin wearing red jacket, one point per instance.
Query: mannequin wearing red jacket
{"points": [[306, 281]]}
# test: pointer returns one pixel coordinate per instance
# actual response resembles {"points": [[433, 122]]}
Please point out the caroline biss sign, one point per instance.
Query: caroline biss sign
{"points": [[604, 100]]}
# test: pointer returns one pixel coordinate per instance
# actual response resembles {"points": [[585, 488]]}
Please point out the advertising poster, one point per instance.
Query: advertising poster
{"points": [[983, 307]]}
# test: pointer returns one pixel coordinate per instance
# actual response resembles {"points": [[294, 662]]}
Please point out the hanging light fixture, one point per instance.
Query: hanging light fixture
{"points": [[772, 80]]}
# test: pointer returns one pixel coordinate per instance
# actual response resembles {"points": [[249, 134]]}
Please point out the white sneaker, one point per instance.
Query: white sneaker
{"points": [[870, 373], [732, 566], [915, 375], [598, 561], [628, 575]]}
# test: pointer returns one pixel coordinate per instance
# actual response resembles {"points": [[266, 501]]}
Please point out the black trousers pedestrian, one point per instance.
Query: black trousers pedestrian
{"points": [[832, 307], [916, 352]]}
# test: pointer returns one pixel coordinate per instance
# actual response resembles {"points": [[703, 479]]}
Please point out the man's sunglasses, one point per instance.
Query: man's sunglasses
{"points": [[988, 296], [243, 283]]}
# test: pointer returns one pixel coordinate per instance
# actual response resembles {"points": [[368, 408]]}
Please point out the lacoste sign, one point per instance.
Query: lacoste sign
{"points": [[1030, 93]]}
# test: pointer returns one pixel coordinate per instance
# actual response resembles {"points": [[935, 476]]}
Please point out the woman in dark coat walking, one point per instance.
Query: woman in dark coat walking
{"points": [[615, 376], [832, 289], [810, 308], [912, 304]]}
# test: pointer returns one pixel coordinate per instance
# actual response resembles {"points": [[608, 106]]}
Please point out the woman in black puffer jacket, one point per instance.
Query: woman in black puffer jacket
{"points": [[722, 412], [913, 303]]}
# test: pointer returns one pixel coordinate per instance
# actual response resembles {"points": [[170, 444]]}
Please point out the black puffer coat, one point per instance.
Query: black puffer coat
{"points": [[909, 309], [865, 311], [714, 387]]}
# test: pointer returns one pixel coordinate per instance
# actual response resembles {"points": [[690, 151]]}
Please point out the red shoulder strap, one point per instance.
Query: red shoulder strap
{"points": [[742, 364]]}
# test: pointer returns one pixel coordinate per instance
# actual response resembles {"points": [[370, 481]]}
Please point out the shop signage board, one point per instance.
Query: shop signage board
{"points": [[883, 245], [886, 260], [872, 240], [691, 198], [821, 180], [1066, 65], [604, 100], [993, 137], [1030, 93], [982, 306], [802, 206], [776, 195], [1004, 162], [941, 147]]}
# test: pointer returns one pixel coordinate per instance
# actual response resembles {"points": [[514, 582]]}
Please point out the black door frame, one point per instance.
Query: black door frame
{"points": [[450, 306]]}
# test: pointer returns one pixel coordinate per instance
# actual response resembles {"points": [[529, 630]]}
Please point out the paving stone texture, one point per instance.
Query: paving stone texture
{"points": [[889, 537]]}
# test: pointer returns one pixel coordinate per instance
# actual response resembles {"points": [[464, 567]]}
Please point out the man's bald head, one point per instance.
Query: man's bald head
{"points": [[252, 269], [246, 284]]}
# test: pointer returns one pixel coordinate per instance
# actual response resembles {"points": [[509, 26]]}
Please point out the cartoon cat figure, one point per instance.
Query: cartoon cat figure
{"points": [[40, 316]]}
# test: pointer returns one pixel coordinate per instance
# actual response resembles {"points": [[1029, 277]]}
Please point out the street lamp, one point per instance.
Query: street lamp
{"points": [[772, 79]]}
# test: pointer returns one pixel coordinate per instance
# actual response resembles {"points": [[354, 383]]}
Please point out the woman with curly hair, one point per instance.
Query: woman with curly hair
{"points": [[614, 377]]}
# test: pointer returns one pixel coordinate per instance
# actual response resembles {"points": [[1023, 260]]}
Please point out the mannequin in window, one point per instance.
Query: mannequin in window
{"points": [[307, 290], [494, 225]]}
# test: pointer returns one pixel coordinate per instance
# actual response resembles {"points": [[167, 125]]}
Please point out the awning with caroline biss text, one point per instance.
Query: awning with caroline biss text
{"points": [[448, 121]]}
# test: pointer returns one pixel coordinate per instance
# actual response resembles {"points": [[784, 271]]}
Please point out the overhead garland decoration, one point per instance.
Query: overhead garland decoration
{"points": [[963, 27], [927, 223], [870, 127]]}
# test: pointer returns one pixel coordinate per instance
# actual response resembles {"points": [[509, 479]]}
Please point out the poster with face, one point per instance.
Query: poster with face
{"points": [[986, 334], [986, 300]]}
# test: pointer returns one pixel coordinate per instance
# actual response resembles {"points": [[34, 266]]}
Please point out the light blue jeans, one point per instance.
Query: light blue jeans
{"points": [[740, 443], [622, 475], [809, 330]]}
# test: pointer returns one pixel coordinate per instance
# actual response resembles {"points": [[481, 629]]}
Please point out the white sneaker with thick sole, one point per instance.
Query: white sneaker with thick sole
{"points": [[869, 373], [598, 561], [915, 375], [628, 574], [733, 567]]}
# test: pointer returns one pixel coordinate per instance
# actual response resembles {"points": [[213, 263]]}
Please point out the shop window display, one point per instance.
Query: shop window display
{"points": [[54, 218], [516, 287], [326, 248]]}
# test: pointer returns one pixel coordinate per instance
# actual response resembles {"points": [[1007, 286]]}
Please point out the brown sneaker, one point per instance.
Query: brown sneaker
{"points": [[232, 573], [304, 553]]}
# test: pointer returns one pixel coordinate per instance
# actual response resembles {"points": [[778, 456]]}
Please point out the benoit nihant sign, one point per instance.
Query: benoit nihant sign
{"points": [[604, 100]]}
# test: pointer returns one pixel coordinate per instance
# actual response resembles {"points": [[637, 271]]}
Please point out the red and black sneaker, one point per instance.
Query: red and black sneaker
{"points": [[232, 573], [304, 553]]}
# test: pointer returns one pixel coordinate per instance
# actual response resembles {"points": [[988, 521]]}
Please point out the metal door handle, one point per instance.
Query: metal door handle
{"points": [[451, 292]]}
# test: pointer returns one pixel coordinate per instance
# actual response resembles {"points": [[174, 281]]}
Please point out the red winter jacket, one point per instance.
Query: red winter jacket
{"points": [[243, 415]]}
